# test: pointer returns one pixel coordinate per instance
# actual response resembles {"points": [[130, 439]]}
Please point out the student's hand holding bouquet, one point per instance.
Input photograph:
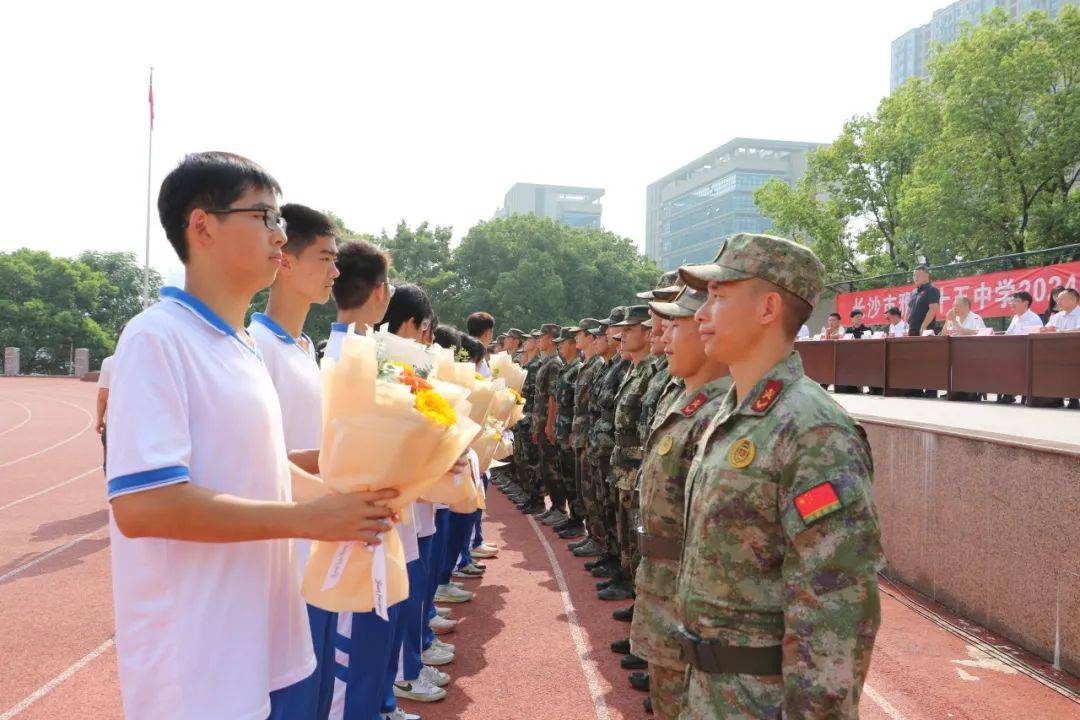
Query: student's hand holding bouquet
{"points": [[352, 516]]}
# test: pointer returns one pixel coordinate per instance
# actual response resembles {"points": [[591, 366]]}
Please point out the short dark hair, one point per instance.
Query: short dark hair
{"points": [[474, 347], [894, 311], [924, 268], [478, 323], [408, 303], [447, 336], [363, 267], [855, 312], [303, 225], [212, 180], [1023, 295], [835, 315]]}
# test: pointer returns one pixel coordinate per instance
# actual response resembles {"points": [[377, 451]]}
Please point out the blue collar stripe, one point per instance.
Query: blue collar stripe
{"points": [[205, 314], [339, 327], [268, 322]]}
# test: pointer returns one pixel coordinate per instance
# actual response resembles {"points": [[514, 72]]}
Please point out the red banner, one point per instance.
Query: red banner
{"points": [[989, 294]]}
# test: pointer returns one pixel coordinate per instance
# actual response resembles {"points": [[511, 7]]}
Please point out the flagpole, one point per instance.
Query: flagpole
{"points": [[149, 164]]}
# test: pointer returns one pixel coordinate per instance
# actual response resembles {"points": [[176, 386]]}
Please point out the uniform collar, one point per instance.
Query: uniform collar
{"points": [[279, 332], [339, 327], [689, 405], [204, 313], [764, 395]]}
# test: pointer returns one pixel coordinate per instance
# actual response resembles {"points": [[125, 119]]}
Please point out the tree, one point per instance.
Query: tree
{"points": [[122, 297], [48, 306]]}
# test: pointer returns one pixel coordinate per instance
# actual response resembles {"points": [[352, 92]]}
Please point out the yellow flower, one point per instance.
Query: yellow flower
{"points": [[435, 408], [404, 366]]}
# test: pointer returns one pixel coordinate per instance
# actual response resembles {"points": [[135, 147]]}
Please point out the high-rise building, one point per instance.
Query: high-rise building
{"points": [[911, 51], [689, 211], [570, 205]]}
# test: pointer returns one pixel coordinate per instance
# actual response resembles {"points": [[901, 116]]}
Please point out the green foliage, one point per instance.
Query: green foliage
{"points": [[122, 298], [979, 161], [50, 305]]}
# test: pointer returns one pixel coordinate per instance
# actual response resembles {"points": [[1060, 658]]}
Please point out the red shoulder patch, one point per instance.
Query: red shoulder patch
{"points": [[694, 405], [817, 502], [768, 396]]}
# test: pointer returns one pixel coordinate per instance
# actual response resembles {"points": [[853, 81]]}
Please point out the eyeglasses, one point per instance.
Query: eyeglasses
{"points": [[271, 218]]}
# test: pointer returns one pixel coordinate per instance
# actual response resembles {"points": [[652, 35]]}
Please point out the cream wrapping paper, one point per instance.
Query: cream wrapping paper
{"points": [[374, 438]]}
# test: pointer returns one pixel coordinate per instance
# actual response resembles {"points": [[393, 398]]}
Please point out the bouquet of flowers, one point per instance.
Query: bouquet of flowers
{"points": [[384, 426], [504, 368]]}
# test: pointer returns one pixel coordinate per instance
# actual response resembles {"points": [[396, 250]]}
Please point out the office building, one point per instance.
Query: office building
{"points": [[911, 51], [570, 205], [689, 211]]}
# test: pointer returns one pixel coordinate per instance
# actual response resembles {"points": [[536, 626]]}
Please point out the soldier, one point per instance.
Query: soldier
{"points": [[564, 420], [512, 343], [599, 352], [666, 291], [530, 498], [626, 454], [777, 591], [702, 384], [543, 426], [600, 444]]}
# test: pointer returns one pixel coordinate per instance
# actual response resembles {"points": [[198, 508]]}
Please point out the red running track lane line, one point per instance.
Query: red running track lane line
{"points": [[88, 424], [27, 414]]}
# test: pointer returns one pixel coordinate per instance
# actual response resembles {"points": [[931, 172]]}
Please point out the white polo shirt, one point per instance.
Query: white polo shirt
{"points": [[203, 630], [900, 329], [1019, 322], [333, 343], [295, 374], [1061, 320], [972, 322]]}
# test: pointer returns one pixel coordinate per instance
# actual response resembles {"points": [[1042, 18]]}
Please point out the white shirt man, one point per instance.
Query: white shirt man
{"points": [[203, 630], [1023, 319], [1067, 319], [804, 333]]}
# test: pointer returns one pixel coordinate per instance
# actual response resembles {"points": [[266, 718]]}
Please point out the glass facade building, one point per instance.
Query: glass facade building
{"points": [[689, 211], [911, 51], [571, 205]]}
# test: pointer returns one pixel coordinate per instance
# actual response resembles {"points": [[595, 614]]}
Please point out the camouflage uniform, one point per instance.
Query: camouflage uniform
{"points": [[564, 421], [626, 459], [668, 454], [526, 452], [579, 434], [651, 398], [777, 589], [602, 442], [549, 456]]}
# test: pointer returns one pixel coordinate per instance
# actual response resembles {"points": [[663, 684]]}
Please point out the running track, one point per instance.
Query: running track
{"points": [[533, 644]]}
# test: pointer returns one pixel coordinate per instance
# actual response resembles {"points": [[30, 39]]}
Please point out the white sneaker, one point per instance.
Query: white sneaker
{"points": [[443, 612], [435, 656], [460, 586], [419, 690], [441, 626], [484, 552], [434, 676], [452, 594], [465, 573], [448, 647], [400, 714]]}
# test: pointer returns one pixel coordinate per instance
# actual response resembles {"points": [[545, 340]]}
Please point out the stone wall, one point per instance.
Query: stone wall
{"points": [[989, 530]]}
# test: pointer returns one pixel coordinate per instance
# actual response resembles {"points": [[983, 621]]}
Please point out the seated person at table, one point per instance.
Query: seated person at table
{"points": [[1023, 317], [960, 320], [833, 330], [1052, 308], [897, 327], [804, 333], [857, 329], [1067, 318]]}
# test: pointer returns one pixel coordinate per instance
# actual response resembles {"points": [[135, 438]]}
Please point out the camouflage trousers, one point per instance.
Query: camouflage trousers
{"points": [[526, 459], [627, 520], [735, 697], [549, 472], [567, 465], [593, 516], [666, 691], [604, 490]]}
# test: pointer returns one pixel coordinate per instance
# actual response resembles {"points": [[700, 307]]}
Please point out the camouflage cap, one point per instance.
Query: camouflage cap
{"points": [[567, 333], [550, 329], [514, 332], [501, 337], [616, 315], [683, 306], [647, 324], [534, 334], [585, 325], [666, 280], [670, 292], [782, 262], [635, 315]]}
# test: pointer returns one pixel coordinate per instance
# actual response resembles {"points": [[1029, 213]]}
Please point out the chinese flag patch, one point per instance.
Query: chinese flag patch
{"points": [[817, 502], [768, 396]]}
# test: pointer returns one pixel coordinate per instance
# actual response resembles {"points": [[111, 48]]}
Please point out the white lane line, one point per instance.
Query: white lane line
{"points": [[49, 554], [89, 422], [57, 681], [25, 420], [885, 705], [592, 674], [39, 493]]}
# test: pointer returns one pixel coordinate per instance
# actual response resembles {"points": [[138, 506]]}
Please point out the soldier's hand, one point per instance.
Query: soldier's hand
{"points": [[357, 516]]}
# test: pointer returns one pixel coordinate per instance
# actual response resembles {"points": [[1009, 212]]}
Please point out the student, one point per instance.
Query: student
{"points": [[361, 291], [210, 623], [481, 325], [306, 277]]}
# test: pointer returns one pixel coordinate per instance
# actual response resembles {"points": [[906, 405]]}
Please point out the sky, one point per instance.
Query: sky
{"points": [[412, 111]]}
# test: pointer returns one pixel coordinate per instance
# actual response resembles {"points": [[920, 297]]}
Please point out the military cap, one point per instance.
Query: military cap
{"points": [[550, 329], [667, 280], [635, 315], [782, 262], [647, 324], [514, 332], [585, 325], [616, 315], [683, 306], [502, 336], [566, 333], [534, 334]]}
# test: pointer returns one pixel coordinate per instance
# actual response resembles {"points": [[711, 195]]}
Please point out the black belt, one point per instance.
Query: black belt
{"points": [[715, 658], [659, 548]]}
